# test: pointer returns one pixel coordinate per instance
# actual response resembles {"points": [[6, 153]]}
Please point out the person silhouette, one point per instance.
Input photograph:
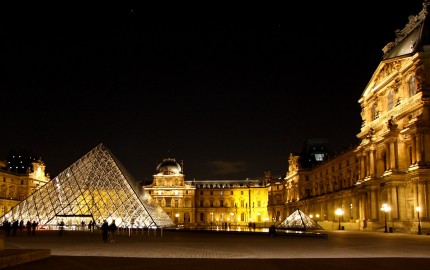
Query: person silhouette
{"points": [[105, 230], [112, 229]]}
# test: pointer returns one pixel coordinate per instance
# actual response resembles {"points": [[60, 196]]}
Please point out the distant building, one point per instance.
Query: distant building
{"points": [[382, 180], [207, 202], [20, 175], [387, 174]]}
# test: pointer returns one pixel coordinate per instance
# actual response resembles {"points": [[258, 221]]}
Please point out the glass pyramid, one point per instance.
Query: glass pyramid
{"points": [[299, 221], [96, 187]]}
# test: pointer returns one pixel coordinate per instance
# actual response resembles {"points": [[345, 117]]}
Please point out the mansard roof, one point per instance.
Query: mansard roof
{"points": [[412, 38]]}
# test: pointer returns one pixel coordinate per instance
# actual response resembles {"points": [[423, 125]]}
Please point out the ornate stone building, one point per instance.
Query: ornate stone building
{"points": [[16, 185], [202, 203], [390, 166]]}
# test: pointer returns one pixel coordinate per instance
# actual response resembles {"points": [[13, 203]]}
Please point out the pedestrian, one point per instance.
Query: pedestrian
{"points": [[28, 227], [112, 229], [61, 228], [105, 230], [15, 225], [7, 226], [33, 227], [21, 225], [90, 225], [272, 230]]}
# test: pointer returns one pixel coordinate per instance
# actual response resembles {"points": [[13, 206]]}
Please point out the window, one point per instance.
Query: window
{"points": [[212, 203], [319, 157], [201, 203], [390, 102], [412, 86], [221, 193], [259, 204], [374, 112], [212, 193], [221, 203], [242, 203], [241, 192], [201, 192], [231, 192], [176, 203], [242, 216], [202, 217]]}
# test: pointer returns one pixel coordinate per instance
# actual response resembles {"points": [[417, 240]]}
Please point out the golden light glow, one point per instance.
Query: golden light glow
{"points": [[386, 208]]}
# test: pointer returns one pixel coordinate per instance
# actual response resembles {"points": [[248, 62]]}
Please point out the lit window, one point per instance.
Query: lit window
{"points": [[374, 112], [390, 100], [319, 157], [412, 86]]}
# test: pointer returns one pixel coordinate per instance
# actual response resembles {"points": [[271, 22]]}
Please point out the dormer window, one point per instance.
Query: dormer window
{"points": [[412, 86], [374, 112], [390, 101]]}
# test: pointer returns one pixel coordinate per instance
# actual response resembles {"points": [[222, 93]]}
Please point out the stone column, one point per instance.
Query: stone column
{"points": [[392, 156], [401, 202], [419, 153], [414, 150], [422, 199], [387, 157], [374, 205], [394, 206], [368, 171], [372, 166], [362, 167]]}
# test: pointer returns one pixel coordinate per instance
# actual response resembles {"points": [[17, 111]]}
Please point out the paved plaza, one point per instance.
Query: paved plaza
{"points": [[224, 250]]}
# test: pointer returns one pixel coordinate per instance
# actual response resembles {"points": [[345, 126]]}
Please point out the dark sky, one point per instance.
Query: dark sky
{"points": [[231, 93]]}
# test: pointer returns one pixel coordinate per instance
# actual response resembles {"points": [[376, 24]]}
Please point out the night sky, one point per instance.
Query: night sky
{"points": [[229, 93]]}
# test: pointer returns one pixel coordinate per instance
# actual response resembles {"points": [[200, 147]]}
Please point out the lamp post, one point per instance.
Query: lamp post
{"points": [[419, 221], [386, 208], [339, 212]]}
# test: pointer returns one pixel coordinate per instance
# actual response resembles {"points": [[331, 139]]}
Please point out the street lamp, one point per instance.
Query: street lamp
{"points": [[318, 216], [339, 212], [419, 221], [386, 208]]}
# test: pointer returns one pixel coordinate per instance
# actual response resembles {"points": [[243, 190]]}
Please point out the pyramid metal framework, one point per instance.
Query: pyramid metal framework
{"points": [[96, 187], [299, 221]]}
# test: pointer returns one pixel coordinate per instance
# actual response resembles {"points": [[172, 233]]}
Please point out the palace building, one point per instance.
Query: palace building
{"points": [[384, 181], [20, 175], [203, 203]]}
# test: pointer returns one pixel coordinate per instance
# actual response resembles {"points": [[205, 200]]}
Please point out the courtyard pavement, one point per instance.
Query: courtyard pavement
{"points": [[206, 250]]}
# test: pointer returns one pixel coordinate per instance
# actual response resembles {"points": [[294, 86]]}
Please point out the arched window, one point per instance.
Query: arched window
{"points": [[374, 112], [11, 192], [390, 103], [412, 86], [3, 191]]}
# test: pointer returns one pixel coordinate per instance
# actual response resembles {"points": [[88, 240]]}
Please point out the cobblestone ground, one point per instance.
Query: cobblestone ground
{"points": [[221, 250]]}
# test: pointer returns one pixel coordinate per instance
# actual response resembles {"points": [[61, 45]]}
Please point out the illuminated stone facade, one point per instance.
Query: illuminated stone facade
{"points": [[15, 186], [94, 188], [391, 165], [203, 203]]}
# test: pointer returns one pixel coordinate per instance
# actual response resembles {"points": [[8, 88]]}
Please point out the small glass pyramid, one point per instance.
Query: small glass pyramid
{"points": [[96, 187], [299, 221]]}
